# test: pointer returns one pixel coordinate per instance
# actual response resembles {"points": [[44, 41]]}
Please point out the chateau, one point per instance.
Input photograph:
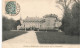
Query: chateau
{"points": [[45, 23]]}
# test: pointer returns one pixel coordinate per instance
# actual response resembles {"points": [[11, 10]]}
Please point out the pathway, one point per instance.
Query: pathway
{"points": [[21, 41]]}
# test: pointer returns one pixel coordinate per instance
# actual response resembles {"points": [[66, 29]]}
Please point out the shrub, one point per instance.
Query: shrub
{"points": [[71, 23]]}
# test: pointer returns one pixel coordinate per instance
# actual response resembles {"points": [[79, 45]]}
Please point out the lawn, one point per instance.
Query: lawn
{"points": [[11, 34], [56, 38]]}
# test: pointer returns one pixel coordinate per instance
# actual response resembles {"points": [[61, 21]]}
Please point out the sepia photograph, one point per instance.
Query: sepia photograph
{"points": [[40, 23]]}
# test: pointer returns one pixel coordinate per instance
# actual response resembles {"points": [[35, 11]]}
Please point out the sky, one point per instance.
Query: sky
{"points": [[34, 8]]}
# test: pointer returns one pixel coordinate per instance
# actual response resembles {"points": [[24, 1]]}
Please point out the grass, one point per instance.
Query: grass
{"points": [[11, 34], [56, 38]]}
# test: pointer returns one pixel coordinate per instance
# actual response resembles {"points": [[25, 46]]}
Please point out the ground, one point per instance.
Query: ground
{"points": [[56, 38], [21, 41], [35, 39], [43, 37], [11, 34]]}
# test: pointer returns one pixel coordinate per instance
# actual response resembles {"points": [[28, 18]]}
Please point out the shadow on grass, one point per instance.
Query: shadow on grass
{"points": [[56, 38], [11, 34]]}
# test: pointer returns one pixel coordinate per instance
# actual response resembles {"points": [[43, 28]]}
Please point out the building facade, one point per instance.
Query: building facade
{"points": [[45, 23]]}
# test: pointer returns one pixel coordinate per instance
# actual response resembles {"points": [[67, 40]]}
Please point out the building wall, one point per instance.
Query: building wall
{"points": [[48, 24], [32, 24]]}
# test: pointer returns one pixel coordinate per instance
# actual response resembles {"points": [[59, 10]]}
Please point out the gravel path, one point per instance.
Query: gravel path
{"points": [[21, 41]]}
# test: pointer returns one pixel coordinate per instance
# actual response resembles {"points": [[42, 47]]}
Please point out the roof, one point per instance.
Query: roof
{"points": [[58, 20], [50, 16], [33, 19]]}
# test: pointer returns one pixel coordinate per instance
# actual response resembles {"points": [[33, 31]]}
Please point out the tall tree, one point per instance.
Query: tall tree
{"points": [[8, 24], [70, 21], [76, 16], [66, 14], [77, 1], [17, 23]]}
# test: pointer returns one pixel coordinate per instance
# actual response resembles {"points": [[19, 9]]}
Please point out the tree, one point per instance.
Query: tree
{"points": [[8, 24], [76, 17], [4, 22], [50, 15], [70, 22], [17, 23], [66, 14], [77, 1], [65, 4]]}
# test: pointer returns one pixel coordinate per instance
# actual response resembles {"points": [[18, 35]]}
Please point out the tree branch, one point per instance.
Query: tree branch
{"points": [[69, 2]]}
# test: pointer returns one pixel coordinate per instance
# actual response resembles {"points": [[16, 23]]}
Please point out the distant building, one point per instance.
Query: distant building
{"points": [[47, 22]]}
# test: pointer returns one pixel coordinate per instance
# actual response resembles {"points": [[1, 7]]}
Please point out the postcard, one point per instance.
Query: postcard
{"points": [[40, 23]]}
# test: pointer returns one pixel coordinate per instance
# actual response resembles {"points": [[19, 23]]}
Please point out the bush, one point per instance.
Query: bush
{"points": [[76, 18], [71, 23], [66, 21], [8, 24]]}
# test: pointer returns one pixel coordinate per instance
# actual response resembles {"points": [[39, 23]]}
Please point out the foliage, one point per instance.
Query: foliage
{"points": [[76, 17], [66, 15], [50, 15], [70, 22], [66, 22], [9, 24], [17, 23]]}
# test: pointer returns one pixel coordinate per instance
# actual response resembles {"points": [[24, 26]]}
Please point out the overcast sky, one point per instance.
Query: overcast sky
{"points": [[33, 8]]}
